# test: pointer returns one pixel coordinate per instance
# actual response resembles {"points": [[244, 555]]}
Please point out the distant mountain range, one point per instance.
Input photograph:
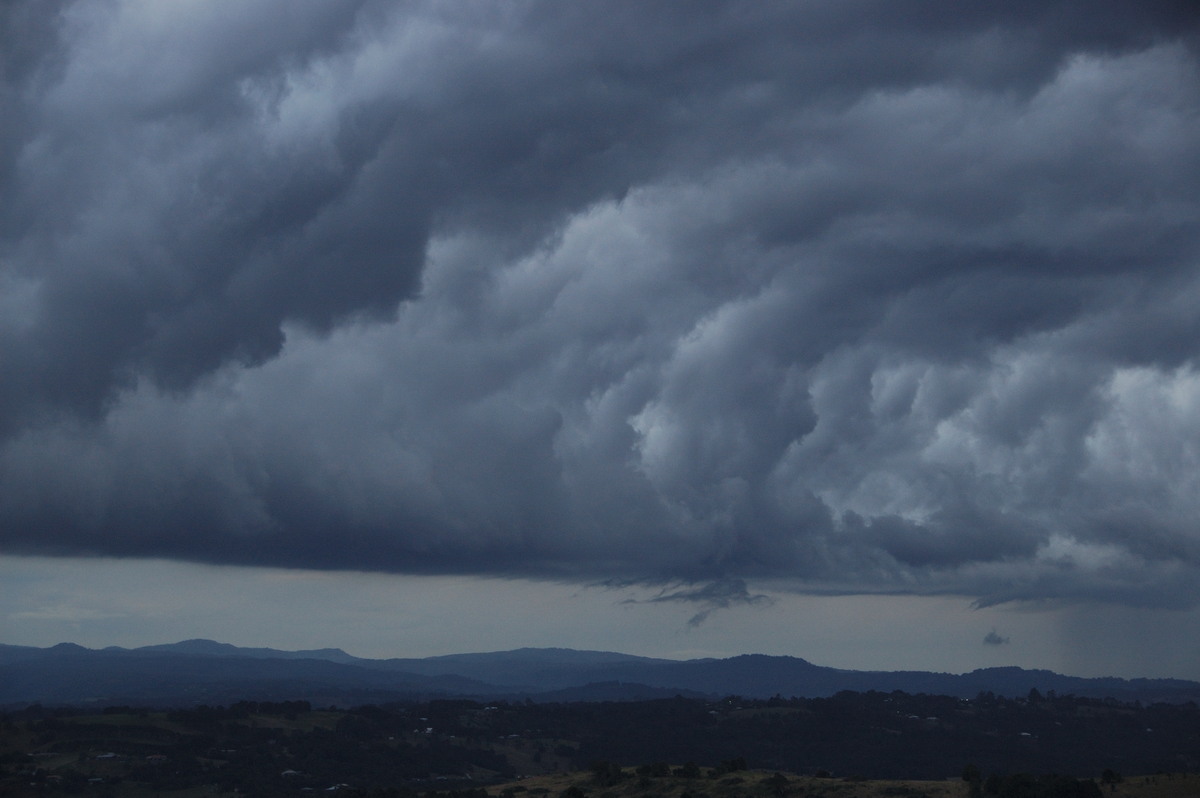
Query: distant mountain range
{"points": [[204, 671]]}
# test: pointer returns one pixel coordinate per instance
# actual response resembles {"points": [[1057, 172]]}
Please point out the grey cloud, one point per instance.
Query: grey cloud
{"points": [[847, 296], [718, 595], [992, 638]]}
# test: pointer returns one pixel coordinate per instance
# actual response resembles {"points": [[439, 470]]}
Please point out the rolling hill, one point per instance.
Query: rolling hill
{"points": [[204, 671]]}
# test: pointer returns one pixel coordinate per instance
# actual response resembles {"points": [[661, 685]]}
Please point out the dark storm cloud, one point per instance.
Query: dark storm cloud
{"points": [[845, 296]]}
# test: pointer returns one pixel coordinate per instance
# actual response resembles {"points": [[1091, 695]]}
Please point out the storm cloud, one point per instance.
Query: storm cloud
{"points": [[861, 297]]}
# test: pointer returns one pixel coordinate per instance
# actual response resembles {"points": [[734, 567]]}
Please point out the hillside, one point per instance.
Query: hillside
{"points": [[204, 671], [269, 749]]}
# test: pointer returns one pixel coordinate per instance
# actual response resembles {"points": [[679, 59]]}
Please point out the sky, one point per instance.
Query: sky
{"points": [[857, 330]]}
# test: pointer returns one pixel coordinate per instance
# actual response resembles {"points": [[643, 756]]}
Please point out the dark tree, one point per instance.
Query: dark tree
{"points": [[974, 779]]}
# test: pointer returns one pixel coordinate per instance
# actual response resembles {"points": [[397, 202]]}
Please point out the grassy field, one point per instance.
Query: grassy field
{"points": [[769, 784], [748, 784], [1170, 785]]}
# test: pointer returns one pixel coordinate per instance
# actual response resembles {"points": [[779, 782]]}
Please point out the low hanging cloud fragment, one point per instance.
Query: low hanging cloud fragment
{"points": [[718, 595], [835, 297], [992, 638]]}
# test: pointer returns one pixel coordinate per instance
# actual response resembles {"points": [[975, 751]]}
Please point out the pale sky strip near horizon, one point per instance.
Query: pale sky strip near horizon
{"points": [[103, 602], [877, 318]]}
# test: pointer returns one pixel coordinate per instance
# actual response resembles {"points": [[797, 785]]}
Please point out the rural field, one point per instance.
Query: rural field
{"points": [[851, 746], [772, 784], [743, 784]]}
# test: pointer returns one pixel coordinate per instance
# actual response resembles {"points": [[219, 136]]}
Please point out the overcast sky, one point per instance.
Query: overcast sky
{"points": [[652, 326]]}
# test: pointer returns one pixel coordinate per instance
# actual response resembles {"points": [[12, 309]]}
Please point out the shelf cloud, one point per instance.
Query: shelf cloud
{"points": [[861, 297]]}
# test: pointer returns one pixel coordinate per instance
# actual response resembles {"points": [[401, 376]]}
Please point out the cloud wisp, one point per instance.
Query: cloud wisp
{"points": [[838, 295], [717, 595], [993, 638]]}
